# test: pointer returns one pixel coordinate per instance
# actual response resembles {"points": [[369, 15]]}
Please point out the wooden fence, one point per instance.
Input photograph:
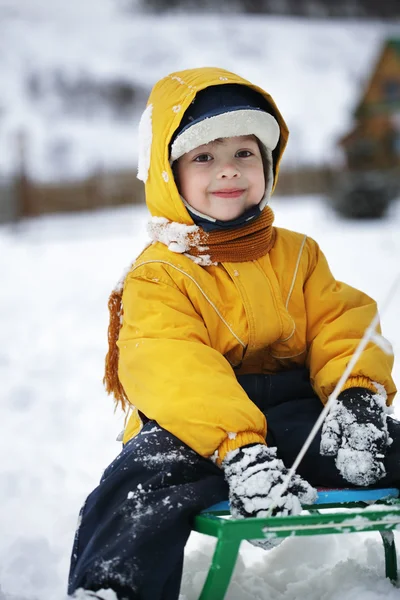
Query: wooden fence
{"points": [[22, 197]]}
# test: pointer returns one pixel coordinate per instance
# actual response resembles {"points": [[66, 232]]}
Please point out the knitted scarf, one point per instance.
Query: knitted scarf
{"points": [[246, 243]]}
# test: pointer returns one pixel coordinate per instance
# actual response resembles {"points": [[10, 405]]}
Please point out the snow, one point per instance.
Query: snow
{"points": [[257, 484], [59, 428], [178, 237], [145, 141], [356, 440], [315, 70]]}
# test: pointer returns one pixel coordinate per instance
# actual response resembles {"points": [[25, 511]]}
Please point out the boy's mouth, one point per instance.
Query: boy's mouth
{"points": [[228, 193]]}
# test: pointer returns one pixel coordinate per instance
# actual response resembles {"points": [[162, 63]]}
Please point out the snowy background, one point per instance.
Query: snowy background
{"points": [[58, 427], [75, 76]]}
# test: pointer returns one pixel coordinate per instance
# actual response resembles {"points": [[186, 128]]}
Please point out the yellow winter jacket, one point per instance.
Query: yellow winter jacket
{"points": [[188, 328]]}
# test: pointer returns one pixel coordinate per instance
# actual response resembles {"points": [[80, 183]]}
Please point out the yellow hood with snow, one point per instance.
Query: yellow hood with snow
{"points": [[166, 106], [188, 329]]}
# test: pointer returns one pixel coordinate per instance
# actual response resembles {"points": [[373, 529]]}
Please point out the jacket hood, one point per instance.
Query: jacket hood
{"points": [[166, 106]]}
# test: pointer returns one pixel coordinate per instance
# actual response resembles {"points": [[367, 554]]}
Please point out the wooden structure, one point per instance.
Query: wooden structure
{"points": [[374, 143], [24, 197]]}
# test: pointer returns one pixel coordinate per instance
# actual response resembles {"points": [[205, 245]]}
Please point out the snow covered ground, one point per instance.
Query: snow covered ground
{"points": [[58, 427], [50, 50]]}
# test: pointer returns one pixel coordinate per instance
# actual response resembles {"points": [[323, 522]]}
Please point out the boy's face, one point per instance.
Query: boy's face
{"points": [[224, 178]]}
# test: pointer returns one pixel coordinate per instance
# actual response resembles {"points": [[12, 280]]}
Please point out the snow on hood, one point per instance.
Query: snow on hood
{"points": [[166, 106]]}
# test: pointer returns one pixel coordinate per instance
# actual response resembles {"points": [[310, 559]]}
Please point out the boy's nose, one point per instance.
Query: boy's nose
{"points": [[228, 171]]}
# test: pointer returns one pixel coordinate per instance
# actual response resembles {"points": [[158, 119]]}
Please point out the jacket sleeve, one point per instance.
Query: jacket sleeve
{"points": [[337, 317], [171, 373]]}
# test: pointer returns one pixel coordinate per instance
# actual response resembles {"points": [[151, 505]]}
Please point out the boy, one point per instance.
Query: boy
{"points": [[228, 324]]}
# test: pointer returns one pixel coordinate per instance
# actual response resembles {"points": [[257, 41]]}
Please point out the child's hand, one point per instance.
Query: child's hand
{"points": [[355, 431], [255, 476]]}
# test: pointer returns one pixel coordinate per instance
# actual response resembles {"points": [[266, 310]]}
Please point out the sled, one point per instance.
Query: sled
{"points": [[368, 510]]}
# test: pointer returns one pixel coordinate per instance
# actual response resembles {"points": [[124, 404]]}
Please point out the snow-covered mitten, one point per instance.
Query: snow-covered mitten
{"points": [[255, 476], [356, 433]]}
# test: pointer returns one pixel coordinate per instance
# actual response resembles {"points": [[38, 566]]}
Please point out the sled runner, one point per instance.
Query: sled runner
{"points": [[369, 510]]}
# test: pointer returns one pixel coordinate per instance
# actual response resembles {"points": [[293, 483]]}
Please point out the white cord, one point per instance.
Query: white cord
{"points": [[369, 334]]}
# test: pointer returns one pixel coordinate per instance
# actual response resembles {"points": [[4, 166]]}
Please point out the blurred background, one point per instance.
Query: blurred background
{"points": [[75, 77]]}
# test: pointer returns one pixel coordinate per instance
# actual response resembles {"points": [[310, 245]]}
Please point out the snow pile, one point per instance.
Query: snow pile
{"points": [[59, 427], [342, 567]]}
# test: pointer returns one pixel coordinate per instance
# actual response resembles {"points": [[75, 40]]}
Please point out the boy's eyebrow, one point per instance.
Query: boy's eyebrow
{"points": [[245, 138], [220, 140], [217, 141]]}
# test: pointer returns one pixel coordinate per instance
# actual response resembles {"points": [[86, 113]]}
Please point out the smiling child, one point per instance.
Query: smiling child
{"points": [[226, 338]]}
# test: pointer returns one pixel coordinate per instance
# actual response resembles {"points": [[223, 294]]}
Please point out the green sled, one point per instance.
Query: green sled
{"points": [[368, 510]]}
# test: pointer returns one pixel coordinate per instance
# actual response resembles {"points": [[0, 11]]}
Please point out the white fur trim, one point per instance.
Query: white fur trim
{"points": [[228, 124], [145, 141], [269, 176]]}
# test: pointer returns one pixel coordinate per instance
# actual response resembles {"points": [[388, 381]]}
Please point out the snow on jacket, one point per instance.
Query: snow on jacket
{"points": [[187, 328]]}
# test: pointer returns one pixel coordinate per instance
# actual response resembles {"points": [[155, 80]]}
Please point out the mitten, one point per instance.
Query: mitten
{"points": [[356, 433], [255, 476]]}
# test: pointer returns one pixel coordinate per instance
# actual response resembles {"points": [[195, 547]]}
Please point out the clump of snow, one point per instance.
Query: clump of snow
{"points": [[357, 466], [256, 476], [357, 434], [145, 141], [179, 238], [381, 395]]}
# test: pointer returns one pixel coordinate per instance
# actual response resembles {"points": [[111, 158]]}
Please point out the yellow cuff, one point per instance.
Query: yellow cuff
{"points": [[241, 439], [359, 382]]}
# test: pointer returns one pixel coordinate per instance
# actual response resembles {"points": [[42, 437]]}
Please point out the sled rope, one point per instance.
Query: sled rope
{"points": [[370, 334]]}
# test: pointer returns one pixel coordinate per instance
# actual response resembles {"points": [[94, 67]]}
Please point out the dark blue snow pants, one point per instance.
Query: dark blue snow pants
{"points": [[135, 524]]}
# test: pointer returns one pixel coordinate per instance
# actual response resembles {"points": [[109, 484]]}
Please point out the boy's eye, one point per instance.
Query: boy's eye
{"points": [[203, 158], [244, 153]]}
